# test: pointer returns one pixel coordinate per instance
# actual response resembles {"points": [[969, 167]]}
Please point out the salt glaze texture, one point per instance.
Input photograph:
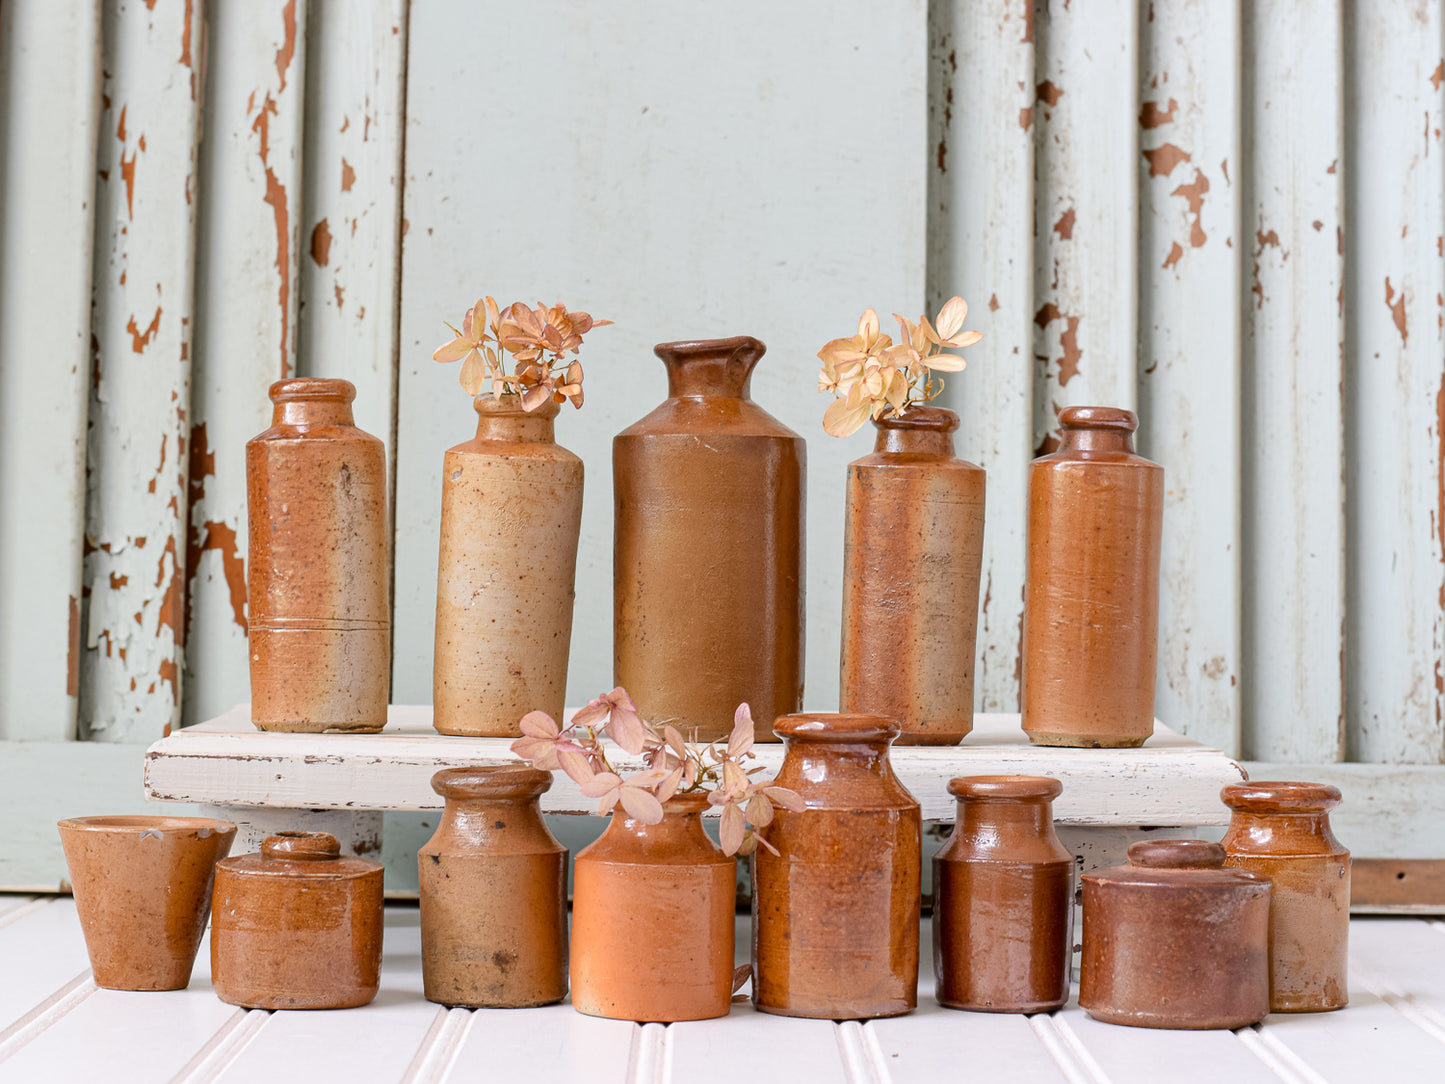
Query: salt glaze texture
{"points": [[493, 893], [319, 582], [1091, 601], [1282, 830], [511, 516], [708, 576], [653, 919], [912, 554], [835, 912], [1003, 898], [297, 926], [143, 892]]}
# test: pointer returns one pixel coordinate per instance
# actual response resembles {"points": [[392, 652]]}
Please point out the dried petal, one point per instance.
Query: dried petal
{"points": [[945, 363], [788, 799], [740, 741], [741, 975], [842, 419], [951, 317], [760, 810], [668, 787], [641, 805], [600, 784], [577, 766], [731, 827], [538, 724]]}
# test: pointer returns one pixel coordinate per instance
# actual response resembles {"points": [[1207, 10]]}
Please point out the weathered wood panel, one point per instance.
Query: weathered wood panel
{"points": [[140, 391], [49, 101]]}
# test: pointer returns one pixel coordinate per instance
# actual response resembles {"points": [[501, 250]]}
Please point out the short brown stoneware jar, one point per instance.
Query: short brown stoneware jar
{"points": [[1091, 601], [1003, 898], [493, 893], [652, 919], [143, 892], [912, 551], [707, 567], [511, 516], [297, 926], [1175, 940], [1282, 830], [836, 911], [319, 579]]}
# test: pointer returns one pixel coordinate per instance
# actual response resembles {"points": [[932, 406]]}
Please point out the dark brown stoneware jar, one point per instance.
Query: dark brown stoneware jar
{"points": [[1175, 940], [1003, 898], [297, 926], [318, 584], [1091, 602], [708, 552], [1282, 830], [835, 912], [912, 552], [493, 893]]}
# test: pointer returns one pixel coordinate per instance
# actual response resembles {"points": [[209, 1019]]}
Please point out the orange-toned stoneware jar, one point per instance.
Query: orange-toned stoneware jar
{"points": [[835, 912], [319, 581], [912, 551], [511, 515], [1282, 830], [1003, 898], [708, 547], [1175, 939], [297, 926], [493, 893], [1091, 602], [143, 891], [652, 919]]}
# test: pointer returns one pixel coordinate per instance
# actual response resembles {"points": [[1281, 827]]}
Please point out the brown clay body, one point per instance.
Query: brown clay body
{"points": [[511, 516], [1282, 830], [297, 926], [143, 891], [835, 912], [1175, 940], [652, 919], [319, 582], [1003, 898], [1091, 602], [708, 578], [493, 893], [912, 552]]}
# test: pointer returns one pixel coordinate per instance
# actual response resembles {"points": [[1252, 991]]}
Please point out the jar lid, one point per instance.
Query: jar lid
{"points": [[1005, 787], [1185, 863], [509, 782], [836, 727], [304, 856], [1279, 796]]}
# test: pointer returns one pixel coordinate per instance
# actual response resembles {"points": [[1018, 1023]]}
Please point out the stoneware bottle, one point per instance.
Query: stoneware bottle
{"points": [[1091, 602], [511, 514], [912, 551], [1282, 830], [493, 893], [708, 551], [652, 919], [835, 912], [318, 582], [1003, 898], [1175, 939], [297, 926], [143, 892]]}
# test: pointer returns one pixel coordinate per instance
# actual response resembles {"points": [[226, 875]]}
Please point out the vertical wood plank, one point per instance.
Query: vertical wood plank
{"points": [[1395, 420], [49, 101], [246, 282], [140, 386], [980, 245], [1293, 520], [1189, 327]]}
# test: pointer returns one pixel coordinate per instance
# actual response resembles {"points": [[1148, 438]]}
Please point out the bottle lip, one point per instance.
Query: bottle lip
{"points": [[302, 846], [1114, 419], [687, 349], [836, 727], [1005, 787], [510, 406], [1281, 796], [1176, 854], [158, 827], [311, 388], [508, 781], [925, 418]]}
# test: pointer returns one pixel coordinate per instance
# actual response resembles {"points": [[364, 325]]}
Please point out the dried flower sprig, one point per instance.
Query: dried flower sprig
{"points": [[538, 340], [870, 375], [674, 766]]}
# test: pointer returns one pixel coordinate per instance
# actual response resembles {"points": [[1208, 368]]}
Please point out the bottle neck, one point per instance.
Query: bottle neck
{"points": [[681, 825], [720, 368], [898, 441], [995, 820], [505, 420], [304, 412], [487, 818], [1096, 440]]}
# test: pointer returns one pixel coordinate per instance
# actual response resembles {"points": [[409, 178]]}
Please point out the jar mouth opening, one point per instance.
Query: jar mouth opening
{"points": [[503, 781], [1005, 787], [921, 418], [307, 388], [687, 349], [510, 406], [134, 825], [835, 727], [1281, 796]]}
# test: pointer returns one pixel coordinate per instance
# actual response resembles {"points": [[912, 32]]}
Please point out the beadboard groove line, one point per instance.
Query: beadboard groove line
{"points": [[439, 1047], [1281, 1060], [16, 913], [1071, 1056], [222, 1047], [649, 1058], [858, 1067], [48, 1012], [1424, 1017]]}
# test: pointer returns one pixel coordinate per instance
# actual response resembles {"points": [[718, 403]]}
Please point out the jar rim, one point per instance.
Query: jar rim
{"points": [[924, 418], [1005, 787], [836, 726], [1281, 796], [1116, 419], [304, 388], [506, 781]]}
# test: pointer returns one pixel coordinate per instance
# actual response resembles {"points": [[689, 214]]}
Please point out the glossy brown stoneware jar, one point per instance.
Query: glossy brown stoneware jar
{"points": [[708, 552], [493, 893], [143, 892], [1091, 602], [1003, 898], [511, 516], [913, 548], [319, 580], [1175, 940], [1282, 830], [835, 912], [652, 919], [297, 926]]}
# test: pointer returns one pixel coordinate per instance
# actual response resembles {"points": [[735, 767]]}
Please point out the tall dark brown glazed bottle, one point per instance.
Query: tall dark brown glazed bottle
{"points": [[708, 551]]}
